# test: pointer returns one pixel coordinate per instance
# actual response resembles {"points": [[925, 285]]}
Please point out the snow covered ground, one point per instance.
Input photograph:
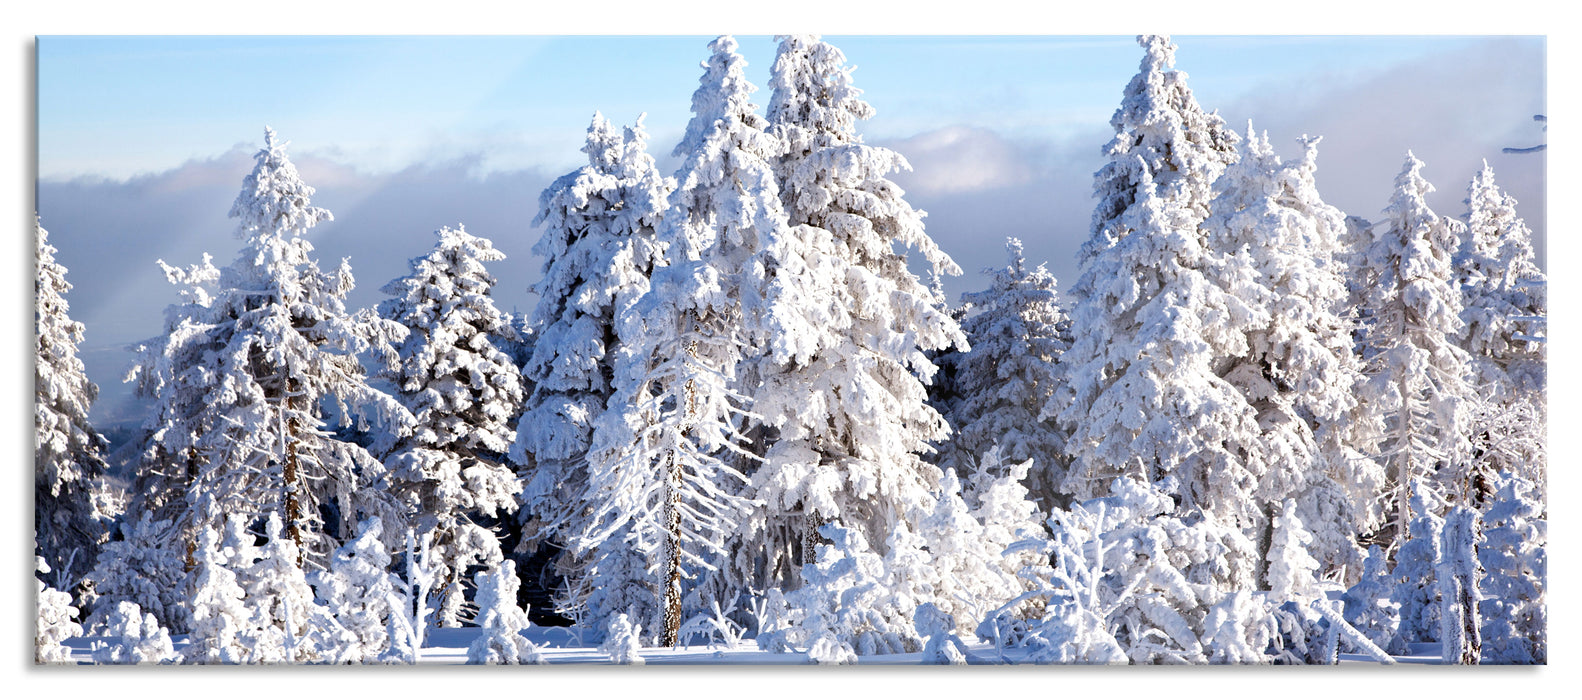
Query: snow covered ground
{"points": [[448, 647]]}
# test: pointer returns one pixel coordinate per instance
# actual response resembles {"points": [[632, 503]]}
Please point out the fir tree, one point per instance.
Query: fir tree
{"points": [[253, 366], [360, 591], [146, 566], [599, 248], [503, 622], [1291, 569], [656, 469], [463, 391], [69, 524], [1504, 309], [1504, 298], [1018, 332], [1142, 395], [288, 625], [1278, 248], [841, 387], [220, 616], [1417, 374], [137, 638], [1515, 572]]}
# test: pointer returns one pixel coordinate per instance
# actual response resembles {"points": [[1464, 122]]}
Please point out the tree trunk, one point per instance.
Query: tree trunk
{"points": [[670, 576], [291, 477]]}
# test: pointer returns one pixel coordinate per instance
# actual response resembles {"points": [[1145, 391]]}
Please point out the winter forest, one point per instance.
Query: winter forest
{"points": [[745, 424]]}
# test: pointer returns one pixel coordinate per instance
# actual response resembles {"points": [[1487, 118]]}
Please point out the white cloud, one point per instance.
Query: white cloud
{"points": [[962, 159]]}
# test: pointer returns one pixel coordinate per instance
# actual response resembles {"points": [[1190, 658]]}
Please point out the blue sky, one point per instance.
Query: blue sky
{"points": [[121, 106], [143, 141]]}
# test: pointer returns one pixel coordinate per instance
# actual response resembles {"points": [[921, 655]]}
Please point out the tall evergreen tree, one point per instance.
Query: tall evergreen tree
{"points": [[463, 391], [599, 248], [1417, 374], [1277, 247], [1142, 397], [1504, 300], [257, 362], [656, 477], [842, 384], [1504, 307], [1018, 332], [1160, 131], [69, 520]]}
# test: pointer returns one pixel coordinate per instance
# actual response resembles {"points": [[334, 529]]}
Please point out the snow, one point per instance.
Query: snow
{"points": [[559, 646], [723, 421]]}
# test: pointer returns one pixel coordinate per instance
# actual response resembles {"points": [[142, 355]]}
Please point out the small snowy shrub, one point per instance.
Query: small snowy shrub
{"points": [[938, 629], [145, 567], [623, 641], [219, 614], [136, 638], [54, 622], [361, 592], [502, 621]]}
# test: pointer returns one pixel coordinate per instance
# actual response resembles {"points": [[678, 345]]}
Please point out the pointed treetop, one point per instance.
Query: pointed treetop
{"points": [[722, 94], [604, 144], [1161, 53], [274, 200]]}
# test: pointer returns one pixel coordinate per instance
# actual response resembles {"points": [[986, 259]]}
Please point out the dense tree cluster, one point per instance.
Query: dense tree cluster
{"points": [[1255, 430]]}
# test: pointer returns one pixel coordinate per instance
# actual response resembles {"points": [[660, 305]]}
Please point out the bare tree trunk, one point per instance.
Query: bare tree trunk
{"points": [[670, 577], [291, 475]]}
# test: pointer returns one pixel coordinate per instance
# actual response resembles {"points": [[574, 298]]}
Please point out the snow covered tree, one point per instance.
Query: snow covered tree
{"points": [[1142, 396], [1160, 132], [1457, 574], [463, 391], [501, 641], [1368, 607], [1417, 374], [1132, 580], [1515, 565], [841, 386], [144, 566], [1504, 308], [655, 468], [360, 591], [219, 614], [599, 248], [938, 630], [1416, 567], [969, 567], [1279, 248], [137, 638], [623, 641], [852, 601], [1503, 289], [1002, 503], [288, 625], [68, 455], [1018, 332], [252, 368], [55, 621], [1291, 569]]}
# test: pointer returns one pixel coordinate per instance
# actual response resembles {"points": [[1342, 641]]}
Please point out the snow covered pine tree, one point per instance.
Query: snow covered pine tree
{"points": [[463, 391], [243, 380], [842, 384], [657, 482], [69, 522]]}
